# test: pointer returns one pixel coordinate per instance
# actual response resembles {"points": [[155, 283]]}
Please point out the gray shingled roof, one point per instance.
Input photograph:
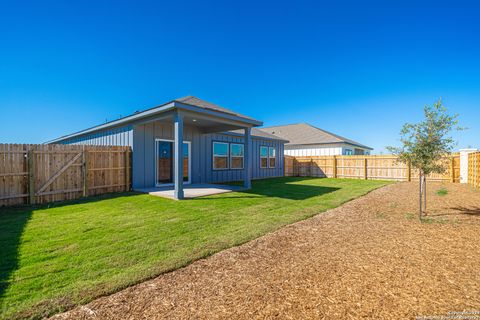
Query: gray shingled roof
{"points": [[304, 133], [256, 132], [194, 101]]}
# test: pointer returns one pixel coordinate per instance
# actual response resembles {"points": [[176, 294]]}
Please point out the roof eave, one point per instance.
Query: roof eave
{"points": [[123, 121], [189, 107], [158, 110]]}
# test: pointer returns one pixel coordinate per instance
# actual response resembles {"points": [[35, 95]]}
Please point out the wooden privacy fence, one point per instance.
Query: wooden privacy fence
{"points": [[45, 173], [384, 167], [474, 169]]}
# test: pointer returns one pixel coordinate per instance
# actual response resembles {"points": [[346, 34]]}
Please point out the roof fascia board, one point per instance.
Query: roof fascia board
{"points": [[119, 122], [165, 115], [201, 115]]}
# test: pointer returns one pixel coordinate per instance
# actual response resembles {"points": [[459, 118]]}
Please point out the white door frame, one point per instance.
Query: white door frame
{"points": [[173, 168]]}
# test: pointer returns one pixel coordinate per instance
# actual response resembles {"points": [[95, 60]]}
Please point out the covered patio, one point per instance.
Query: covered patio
{"points": [[179, 179], [192, 191]]}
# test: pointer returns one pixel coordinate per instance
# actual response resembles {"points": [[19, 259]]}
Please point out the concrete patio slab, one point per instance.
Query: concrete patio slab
{"points": [[192, 190]]}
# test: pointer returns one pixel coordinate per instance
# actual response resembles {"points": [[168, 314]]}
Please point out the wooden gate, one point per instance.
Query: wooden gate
{"points": [[45, 173]]}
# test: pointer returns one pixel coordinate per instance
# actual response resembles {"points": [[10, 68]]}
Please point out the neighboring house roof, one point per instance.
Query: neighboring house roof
{"points": [[190, 103], [306, 134], [257, 133]]}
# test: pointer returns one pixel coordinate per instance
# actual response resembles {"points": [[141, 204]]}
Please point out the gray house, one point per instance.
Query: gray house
{"points": [[187, 141]]}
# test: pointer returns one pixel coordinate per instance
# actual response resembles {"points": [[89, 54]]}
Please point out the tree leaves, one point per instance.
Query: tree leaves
{"points": [[425, 144]]}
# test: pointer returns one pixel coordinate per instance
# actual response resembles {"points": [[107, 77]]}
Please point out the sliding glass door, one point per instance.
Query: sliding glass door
{"points": [[164, 162]]}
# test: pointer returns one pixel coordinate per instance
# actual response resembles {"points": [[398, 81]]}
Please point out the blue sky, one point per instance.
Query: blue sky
{"points": [[359, 69]]}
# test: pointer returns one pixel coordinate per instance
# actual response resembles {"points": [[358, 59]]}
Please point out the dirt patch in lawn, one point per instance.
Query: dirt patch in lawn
{"points": [[370, 258]]}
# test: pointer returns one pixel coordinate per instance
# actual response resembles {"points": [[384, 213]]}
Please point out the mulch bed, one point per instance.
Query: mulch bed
{"points": [[370, 258]]}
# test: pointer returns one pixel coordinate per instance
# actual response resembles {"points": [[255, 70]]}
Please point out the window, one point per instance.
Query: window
{"points": [[236, 156], [358, 152], [272, 157], [263, 156], [220, 155], [348, 152]]}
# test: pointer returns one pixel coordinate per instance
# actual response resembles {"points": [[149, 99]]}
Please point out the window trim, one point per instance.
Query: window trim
{"points": [[231, 156], [213, 156], [275, 158], [263, 157]]}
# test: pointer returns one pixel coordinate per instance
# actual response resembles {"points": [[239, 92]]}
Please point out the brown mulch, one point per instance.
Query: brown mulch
{"points": [[370, 258]]}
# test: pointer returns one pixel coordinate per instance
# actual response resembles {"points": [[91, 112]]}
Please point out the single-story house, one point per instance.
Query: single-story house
{"points": [[307, 140], [189, 140]]}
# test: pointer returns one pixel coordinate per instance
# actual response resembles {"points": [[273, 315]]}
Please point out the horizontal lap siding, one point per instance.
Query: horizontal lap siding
{"points": [[305, 151], [320, 150]]}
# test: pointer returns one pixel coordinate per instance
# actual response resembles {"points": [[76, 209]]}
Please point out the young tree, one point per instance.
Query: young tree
{"points": [[427, 146]]}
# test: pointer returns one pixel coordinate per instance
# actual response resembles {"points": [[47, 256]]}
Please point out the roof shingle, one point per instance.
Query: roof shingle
{"points": [[304, 133], [196, 102]]}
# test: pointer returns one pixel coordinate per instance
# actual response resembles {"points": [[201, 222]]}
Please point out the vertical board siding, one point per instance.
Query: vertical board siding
{"points": [[201, 155], [217, 176], [141, 138], [121, 136]]}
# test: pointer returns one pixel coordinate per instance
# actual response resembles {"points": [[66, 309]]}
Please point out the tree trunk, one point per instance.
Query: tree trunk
{"points": [[424, 195], [420, 193]]}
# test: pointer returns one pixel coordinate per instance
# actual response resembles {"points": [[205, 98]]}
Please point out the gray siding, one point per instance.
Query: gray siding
{"points": [[142, 140], [144, 151], [212, 175], [202, 149], [121, 136]]}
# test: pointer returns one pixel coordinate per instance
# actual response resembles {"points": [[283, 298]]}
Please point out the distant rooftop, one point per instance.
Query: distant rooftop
{"points": [[304, 133], [256, 132]]}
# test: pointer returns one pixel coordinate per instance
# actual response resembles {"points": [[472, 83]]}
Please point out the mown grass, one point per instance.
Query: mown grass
{"points": [[58, 256], [442, 191]]}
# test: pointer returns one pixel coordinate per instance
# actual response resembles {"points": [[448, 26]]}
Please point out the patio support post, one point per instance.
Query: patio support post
{"points": [[178, 156], [247, 168]]}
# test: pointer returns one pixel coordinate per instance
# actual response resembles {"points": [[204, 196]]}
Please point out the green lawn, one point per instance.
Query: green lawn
{"points": [[57, 256]]}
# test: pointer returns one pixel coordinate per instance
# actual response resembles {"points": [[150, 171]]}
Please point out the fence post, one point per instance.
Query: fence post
{"points": [[85, 171], [409, 171], [31, 176], [475, 170], [365, 172], [334, 166], [127, 170], [452, 169]]}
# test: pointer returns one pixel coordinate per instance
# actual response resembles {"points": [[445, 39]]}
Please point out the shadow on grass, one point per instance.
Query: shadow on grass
{"points": [[285, 188], [12, 224]]}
